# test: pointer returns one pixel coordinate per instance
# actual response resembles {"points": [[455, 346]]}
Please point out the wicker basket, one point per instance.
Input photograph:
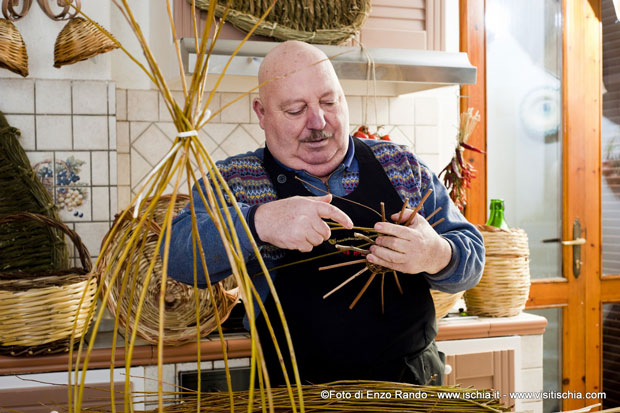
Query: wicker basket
{"points": [[80, 40], [38, 311], [13, 55], [318, 21], [505, 284], [444, 302], [180, 314]]}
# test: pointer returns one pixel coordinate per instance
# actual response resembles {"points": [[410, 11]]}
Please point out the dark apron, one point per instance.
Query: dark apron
{"points": [[332, 342]]}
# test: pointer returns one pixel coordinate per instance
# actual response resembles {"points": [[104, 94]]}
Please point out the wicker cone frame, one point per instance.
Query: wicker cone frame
{"points": [[80, 40], [318, 21], [180, 314], [13, 55], [39, 311], [505, 284]]}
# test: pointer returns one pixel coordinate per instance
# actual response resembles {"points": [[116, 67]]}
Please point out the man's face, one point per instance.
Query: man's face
{"points": [[305, 118]]}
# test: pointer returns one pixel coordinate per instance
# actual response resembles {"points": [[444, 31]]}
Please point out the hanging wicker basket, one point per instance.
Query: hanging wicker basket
{"points": [[39, 311], [80, 40], [444, 302], [13, 55], [180, 314], [505, 284], [317, 21]]}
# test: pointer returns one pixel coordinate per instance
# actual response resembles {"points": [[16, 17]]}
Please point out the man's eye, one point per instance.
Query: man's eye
{"points": [[329, 103], [296, 111]]}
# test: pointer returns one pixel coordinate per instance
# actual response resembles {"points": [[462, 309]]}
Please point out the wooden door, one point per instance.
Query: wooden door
{"points": [[579, 296]]}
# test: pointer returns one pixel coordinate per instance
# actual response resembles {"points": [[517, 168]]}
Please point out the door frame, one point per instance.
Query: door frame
{"points": [[579, 298]]}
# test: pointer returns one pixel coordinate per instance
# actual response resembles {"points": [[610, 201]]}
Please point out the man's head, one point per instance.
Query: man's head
{"points": [[303, 112]]}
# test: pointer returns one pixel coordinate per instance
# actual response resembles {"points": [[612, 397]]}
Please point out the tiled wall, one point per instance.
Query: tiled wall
{"points": [[426, 121], [69, 134]]}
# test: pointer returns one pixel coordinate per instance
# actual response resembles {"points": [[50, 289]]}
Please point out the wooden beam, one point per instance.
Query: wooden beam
{"points": [[548, 293]]}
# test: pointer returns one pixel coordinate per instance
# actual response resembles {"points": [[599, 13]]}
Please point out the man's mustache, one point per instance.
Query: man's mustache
{"points": [[317, 135]]}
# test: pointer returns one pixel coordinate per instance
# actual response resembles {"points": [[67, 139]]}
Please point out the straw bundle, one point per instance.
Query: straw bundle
{"points": [[80, 40], [25, 245], [318, 21], [179, 315], [505, 284], [13, 55], [39, 311]]}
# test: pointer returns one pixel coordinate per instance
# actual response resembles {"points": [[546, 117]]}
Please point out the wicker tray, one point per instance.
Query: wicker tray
{"points": [[180, 314], [39, 311], [317, 21], [505, 284]]}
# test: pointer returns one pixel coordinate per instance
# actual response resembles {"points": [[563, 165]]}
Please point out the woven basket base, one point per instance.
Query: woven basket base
{"points": [[55, 347]]}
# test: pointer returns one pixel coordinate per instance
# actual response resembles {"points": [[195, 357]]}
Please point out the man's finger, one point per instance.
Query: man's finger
{"points": [[322, 229], [395, 230], [388, 255], [331, 212], [393, 243]]}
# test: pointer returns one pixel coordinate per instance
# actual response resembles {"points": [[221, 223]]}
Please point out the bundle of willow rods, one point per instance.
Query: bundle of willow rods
{"points": [[26, 245]]}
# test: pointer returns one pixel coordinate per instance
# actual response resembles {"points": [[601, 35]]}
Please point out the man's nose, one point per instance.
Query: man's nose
{"points": [[316, 118]]}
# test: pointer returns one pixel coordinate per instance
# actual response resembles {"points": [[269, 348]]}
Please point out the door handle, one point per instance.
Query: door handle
{"points": [[576, 243]]}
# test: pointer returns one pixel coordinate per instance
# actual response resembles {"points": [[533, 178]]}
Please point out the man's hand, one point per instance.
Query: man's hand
{"points": [[413, 249], [295, 223]]}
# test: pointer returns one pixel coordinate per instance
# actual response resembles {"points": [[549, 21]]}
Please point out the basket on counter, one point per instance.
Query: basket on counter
{"points": [[40, 310], [319, 21], [180, 305], [444, 302], [505, 284]]}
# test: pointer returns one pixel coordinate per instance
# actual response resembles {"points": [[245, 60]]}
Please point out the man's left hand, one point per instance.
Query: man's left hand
{"points": [[411, 250]]}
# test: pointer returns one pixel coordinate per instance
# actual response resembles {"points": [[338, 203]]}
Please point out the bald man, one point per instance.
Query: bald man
{"points": [[309, 172]]}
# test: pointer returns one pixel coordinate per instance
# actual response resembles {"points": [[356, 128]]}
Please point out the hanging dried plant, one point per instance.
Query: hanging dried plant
{"points": [[458, 174]]}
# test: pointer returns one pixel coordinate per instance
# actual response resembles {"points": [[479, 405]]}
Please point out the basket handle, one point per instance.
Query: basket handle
{"points": [[81, 248]]}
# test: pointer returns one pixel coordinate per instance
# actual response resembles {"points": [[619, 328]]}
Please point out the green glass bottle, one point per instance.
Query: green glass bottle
{"points": [[496, 216]]}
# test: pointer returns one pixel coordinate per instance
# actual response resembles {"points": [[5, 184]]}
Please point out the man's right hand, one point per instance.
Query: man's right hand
{"points": [[295, 223]]}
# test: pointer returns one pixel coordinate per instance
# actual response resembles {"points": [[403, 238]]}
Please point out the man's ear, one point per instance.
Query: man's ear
{"points": [[259, 109]]}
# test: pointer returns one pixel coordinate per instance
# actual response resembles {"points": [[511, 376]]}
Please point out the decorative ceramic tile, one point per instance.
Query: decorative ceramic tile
{"points": [[92, 234], [111, 98], [74, 203], [219, 155], [238, 112], [164, 114], [402, 110], [17, 95], [90, 132], [113, 167], [256, 132], [100, 172], [121, 104], [376, 110], [219, 131], [432, 161], [426, 111], [25, 124], [426, 139], [152, 145], [139, 169], [240, 362], [90, 97], [355, 110], [123, 169], [112, 132], [54, 132], [168, 129], [208, 143], [101, 203], [122, 137], [239, 141], [113, 202], [137, 128], [123, 197], [72, 168], [43, 166], [406, 132], [142, 105], [53, 97]]}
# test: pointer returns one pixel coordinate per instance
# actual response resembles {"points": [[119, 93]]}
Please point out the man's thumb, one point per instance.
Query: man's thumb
{"points": [[324, 198]]}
